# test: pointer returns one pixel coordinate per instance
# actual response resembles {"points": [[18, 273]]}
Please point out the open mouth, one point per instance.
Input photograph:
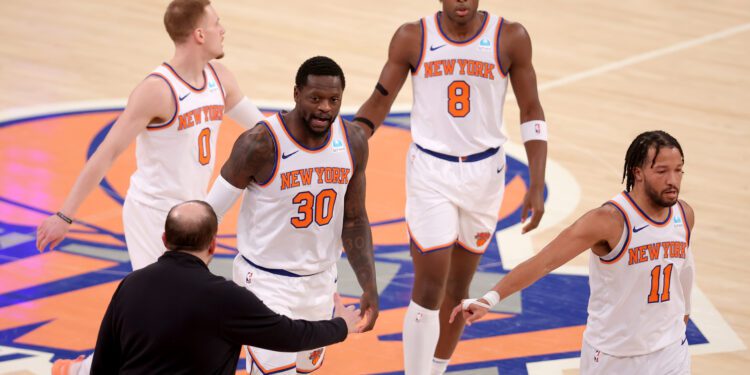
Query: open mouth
{"points": [[320, 122]]}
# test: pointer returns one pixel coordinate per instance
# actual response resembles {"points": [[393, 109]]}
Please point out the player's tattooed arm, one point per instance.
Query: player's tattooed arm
{"points": [[356, 233], [253, 158]]}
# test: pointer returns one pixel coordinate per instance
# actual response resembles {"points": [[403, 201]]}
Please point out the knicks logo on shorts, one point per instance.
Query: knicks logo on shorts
{"points": [[315, 356], [482, 238]]}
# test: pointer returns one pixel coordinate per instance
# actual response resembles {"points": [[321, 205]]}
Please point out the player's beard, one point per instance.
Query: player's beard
{"points": [[658, 197]]}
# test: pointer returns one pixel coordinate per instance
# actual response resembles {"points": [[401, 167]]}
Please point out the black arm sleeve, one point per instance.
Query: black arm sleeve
{"points": [[248, 321]]}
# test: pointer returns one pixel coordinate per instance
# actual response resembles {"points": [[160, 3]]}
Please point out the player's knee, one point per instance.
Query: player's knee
{"points": [[429, 295], [455, 293]]}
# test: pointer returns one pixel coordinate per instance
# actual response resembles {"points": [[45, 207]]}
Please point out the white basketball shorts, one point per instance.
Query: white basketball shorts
{"points": [[451, 202], [304, 297]]}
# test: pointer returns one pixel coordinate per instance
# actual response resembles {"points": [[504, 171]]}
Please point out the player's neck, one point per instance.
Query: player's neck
{"points": [[189, 66], [649, 207], [301, 133], [461, 31]]}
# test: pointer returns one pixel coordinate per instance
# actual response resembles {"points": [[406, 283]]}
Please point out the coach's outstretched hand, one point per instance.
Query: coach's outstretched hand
{"points": [[351, 316], [51, 232]]}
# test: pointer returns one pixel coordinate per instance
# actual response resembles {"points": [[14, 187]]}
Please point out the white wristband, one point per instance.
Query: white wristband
{"points": [[222, 196], [492, 297], [534, 130]]}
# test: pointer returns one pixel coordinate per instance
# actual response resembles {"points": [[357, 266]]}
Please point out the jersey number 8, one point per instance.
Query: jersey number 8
{"points": [[459, 93]]}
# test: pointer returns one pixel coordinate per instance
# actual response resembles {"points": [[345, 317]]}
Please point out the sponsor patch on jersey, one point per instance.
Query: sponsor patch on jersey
{"points": [[485, 44], [338, 145]]}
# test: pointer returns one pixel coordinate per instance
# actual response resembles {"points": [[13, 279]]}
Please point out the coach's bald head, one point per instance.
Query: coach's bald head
{"points": [[191, 226]]}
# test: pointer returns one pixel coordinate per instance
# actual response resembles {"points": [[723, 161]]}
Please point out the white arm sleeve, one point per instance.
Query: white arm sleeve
{"points": [[222, 196], [246, 113], [686, 280]]}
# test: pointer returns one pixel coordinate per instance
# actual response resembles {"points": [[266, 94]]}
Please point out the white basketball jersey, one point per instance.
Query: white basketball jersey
{"points": [[637, 303], [459, 90], [293, 222], [175, 159]]}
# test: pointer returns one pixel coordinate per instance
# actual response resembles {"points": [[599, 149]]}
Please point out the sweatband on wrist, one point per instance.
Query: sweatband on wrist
{"points": [[222, 196], [245, 113], [492, 297], [64, 218], [534, 130]]}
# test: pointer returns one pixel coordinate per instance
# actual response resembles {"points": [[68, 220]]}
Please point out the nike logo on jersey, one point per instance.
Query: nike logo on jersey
{"points": [[500, 169], [433, 48], [184, 96], [636, 230], [683, 341], [284, 156]]}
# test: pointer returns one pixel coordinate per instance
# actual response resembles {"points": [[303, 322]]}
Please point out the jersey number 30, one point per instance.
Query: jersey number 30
{"points": [[459, 93], [318, 208]]}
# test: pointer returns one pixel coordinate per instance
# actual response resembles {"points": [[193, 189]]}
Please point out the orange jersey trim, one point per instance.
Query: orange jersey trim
{"points": [[643, 214], [629, 228], [301, 147], [218, 81], [269, 371], [472, 250], [687, 225], [497, 47], [465, 42], [423, 25], [348, 147], [422, 249], [189, 86], [167, 124], [278, 154]]}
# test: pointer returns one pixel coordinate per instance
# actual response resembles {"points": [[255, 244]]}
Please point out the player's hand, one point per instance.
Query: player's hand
{"points": [[534, 202], [369, 305], [471, 313], [51, 232], [350, 315]]}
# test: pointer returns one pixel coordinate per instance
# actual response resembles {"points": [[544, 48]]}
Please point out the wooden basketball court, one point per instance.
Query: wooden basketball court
{"points": [[606, 72]]}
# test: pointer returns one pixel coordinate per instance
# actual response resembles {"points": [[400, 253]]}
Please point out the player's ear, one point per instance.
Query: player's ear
{"points": [[164, 240]]}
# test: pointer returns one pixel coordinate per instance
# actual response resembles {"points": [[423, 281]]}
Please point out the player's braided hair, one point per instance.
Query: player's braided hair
{"points": [[319, 66], [638, 150]]}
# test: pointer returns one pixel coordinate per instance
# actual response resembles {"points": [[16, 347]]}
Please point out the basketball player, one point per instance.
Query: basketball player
{"points": [[304, 172], [641, 267], [460, 61], [174, 116]]}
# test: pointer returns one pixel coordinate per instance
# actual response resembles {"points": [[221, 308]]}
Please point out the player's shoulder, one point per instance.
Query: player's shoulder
{"points": [[357, 136], [257, 142], [513, 29], [689, 212], [608, 213], [152, 91], [409, 30]]}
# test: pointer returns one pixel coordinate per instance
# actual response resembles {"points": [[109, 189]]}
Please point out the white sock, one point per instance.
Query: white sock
{"points": [[421, 332], [82, 368], [439, 366]]}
